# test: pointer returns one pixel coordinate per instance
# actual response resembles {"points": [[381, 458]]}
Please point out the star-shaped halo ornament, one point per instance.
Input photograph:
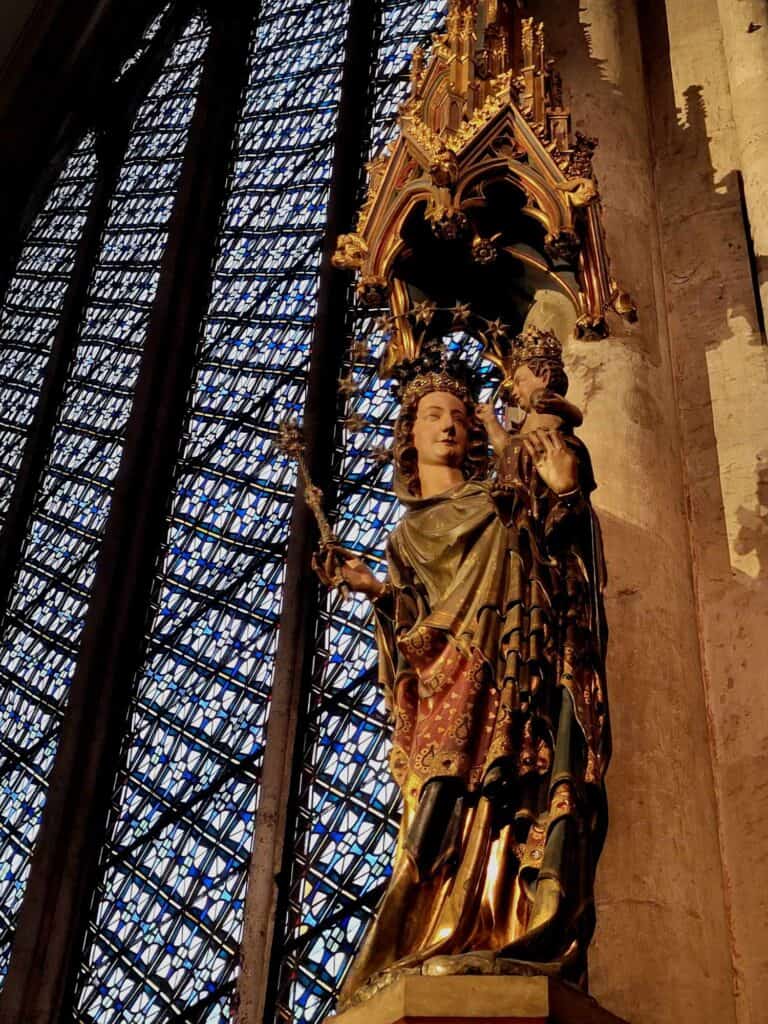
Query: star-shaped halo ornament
{"points": [[496, 329], [382, 454], [461, 314], [360, 349], [355, 423], [423, 311], [348, 385]]}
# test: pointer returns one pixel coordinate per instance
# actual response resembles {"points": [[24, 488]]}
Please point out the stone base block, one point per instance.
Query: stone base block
{"points": [[477, 999]]}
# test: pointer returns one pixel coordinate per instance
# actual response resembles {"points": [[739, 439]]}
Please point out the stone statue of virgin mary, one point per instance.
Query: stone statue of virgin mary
{"points": [[491, 642]]}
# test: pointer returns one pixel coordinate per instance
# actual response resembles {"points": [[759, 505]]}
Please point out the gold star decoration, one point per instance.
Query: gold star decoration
{"points": [[355, 422], [348, 385], [496, 329], [424, 311], [461, 314], [381, 454], [360, 349]]}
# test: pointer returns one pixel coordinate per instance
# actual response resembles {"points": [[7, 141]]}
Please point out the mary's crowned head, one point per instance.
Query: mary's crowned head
{"points": [[437, 425]]}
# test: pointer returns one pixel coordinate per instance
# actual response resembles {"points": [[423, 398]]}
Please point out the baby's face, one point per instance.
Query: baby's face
{"points": [[525, 383]]}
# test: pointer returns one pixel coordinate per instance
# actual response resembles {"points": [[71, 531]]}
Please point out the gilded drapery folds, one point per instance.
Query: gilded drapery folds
{"points": [[491, 639]]}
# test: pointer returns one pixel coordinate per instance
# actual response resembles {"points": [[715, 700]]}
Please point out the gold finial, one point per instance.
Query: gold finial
{"points": [[417, 67]]}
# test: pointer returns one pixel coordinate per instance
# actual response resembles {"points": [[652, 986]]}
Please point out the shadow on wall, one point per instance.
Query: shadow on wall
{"points": [[753, 523], [708, 287], [721, 369], [712, 302], [710, 308]]}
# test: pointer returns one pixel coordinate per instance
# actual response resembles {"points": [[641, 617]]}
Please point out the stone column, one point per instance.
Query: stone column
{"points": [[661, 951], [745, 41], [721, 378]]}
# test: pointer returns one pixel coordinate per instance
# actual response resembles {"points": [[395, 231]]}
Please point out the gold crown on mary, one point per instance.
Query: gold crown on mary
{"points": [[426, 383], [433, 370]]}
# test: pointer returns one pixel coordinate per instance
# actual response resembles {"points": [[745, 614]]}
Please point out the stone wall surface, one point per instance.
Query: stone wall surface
{"points": [[721, 376], [662, 952], [745, 47]]}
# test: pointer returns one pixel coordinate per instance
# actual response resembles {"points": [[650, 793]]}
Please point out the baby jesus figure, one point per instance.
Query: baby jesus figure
{"points": [[537, 388]]}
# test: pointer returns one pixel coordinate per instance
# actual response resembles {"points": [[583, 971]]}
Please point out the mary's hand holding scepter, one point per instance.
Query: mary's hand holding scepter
{"points": [[335, 566]]}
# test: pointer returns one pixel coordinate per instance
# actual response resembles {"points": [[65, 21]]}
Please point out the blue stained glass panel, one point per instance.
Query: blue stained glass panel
{"points": [[147, 36], [32, 305], [348, 804], [40, 635], [168, 912], [219, 1012], [404, 25]]}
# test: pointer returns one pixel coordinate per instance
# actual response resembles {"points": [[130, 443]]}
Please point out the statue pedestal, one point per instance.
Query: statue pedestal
{"points": [[477, 999]]}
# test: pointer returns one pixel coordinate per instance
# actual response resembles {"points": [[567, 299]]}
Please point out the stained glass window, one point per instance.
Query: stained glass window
{"points": [[163, 939], [41, 631], [348, 805], [149, 33], [347, 802], [33, 302], [167, 914]]}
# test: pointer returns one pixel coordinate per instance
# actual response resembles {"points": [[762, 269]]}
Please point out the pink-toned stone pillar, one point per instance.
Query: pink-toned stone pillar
{"points": [[661, 953], [721, 380], [745, 43]]}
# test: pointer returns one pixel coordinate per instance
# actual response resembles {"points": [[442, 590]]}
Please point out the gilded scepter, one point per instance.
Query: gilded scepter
{"points": [[291, 442]]}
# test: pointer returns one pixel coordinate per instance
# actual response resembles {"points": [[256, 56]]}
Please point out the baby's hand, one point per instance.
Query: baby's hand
{"points": [[487, 416], [497, 435]]}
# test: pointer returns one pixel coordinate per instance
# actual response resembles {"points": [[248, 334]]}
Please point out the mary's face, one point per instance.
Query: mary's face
{"points": [[440, 430]]}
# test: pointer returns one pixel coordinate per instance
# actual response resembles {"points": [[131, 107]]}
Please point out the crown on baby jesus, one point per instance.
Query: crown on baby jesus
{"points": [[534, 343], [433, 370]]}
